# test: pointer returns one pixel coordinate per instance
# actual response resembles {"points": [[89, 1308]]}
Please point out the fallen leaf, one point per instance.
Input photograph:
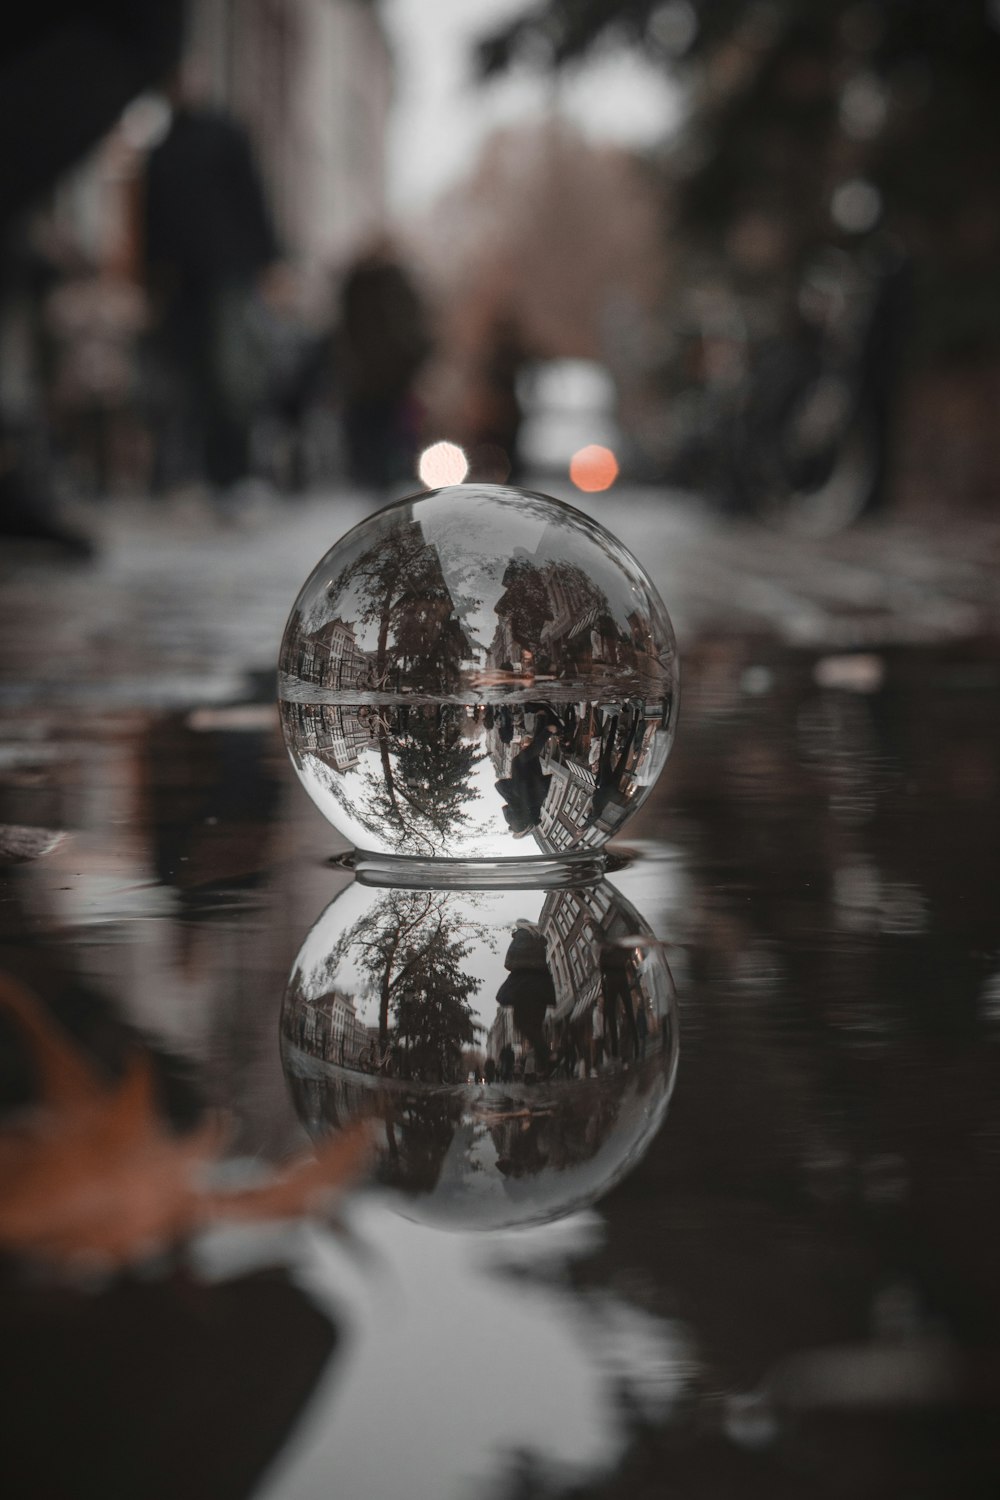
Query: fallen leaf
{"points": [[92, 1175]]}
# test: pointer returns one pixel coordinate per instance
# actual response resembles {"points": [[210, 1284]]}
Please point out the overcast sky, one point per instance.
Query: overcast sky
{"points": [[442, 116]]}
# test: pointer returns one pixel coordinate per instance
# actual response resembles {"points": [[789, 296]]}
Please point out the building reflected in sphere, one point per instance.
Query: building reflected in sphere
{"points": [[517, 1048]]}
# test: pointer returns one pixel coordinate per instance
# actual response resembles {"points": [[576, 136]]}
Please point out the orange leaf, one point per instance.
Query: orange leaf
{"points": [[91, 1174]]}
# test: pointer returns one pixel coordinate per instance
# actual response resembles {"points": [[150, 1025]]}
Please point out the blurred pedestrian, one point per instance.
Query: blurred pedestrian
{"points": [[496, 423], [383, 343], [209, 241]]}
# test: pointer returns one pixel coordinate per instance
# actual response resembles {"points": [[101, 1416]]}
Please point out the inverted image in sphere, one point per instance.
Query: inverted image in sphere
{"points": [[478, 673]]}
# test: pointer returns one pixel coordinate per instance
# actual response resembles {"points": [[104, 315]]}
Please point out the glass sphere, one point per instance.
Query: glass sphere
{"points": [[478, 673], [516, 1048]]}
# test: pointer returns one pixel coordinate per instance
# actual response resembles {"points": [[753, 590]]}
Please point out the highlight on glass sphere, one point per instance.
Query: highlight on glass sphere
{"points": [[478, 673], [516, 1049]]}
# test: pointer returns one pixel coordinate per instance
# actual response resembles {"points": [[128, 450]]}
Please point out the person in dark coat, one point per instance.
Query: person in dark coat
{"points": [[526, 788], [208, 241], [529, 988], [383, 343]]}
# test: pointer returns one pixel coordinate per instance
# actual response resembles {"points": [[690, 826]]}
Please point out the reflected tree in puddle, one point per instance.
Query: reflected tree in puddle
{"points": [[410, 948]]}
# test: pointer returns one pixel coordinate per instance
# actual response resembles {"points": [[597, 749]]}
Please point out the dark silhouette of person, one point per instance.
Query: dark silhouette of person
{"points": [[526, 788], [618, 997], [613, 763], [505, 725], [66, 73], [496, 436], [383, 341], [208, 240], [529, 988]]}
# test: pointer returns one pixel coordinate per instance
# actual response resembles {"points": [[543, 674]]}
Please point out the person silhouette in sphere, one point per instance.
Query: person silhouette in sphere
{"points": [[526, 788], [529, 988]]}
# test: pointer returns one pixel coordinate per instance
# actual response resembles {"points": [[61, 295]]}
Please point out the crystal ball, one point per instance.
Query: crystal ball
{"points": [[515, 1048], [478, 673]]}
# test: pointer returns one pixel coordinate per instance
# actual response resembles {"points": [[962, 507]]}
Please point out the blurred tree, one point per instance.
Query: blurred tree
{"points": [[834, 126], [808, 123]]}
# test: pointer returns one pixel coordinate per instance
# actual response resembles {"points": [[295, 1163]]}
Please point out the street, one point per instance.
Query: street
{"points": [[177, 609], [796, 1284]]}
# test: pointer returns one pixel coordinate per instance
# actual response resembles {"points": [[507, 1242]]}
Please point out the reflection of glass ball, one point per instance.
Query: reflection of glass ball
{"points": [[517, 1048], [478, 673]]}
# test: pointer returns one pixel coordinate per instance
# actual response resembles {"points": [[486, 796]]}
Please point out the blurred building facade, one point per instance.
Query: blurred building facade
{"points": [[312, 82]]}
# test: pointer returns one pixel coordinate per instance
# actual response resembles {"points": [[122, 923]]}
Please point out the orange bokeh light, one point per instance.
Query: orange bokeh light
{"points": [[593, 468]]}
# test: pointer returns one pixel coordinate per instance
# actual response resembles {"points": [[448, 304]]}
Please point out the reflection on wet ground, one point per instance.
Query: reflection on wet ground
{"points": [[792, 1291], [514, 1049]]}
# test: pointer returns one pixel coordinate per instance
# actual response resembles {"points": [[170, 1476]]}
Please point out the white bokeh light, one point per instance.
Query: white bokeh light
{"points": [[856, 206], [442, 464]]}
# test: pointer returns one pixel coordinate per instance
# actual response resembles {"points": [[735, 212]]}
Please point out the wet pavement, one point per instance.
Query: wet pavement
{"points": [[792, 1292]]}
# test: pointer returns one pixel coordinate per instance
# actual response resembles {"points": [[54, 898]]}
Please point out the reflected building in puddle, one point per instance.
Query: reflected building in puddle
{"points": [[517, 1048]]}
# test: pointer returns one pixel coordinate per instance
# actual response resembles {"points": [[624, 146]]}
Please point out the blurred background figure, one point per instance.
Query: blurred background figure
{"points": [[209, 242], [495, 454], [383, 343]]}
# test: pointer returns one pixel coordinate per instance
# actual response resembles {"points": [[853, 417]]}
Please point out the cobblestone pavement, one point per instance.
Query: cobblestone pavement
{"points": [[179, 608]]}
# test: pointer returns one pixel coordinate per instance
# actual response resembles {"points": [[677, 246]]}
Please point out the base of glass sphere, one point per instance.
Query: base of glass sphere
{"points": [[542, 872]]}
